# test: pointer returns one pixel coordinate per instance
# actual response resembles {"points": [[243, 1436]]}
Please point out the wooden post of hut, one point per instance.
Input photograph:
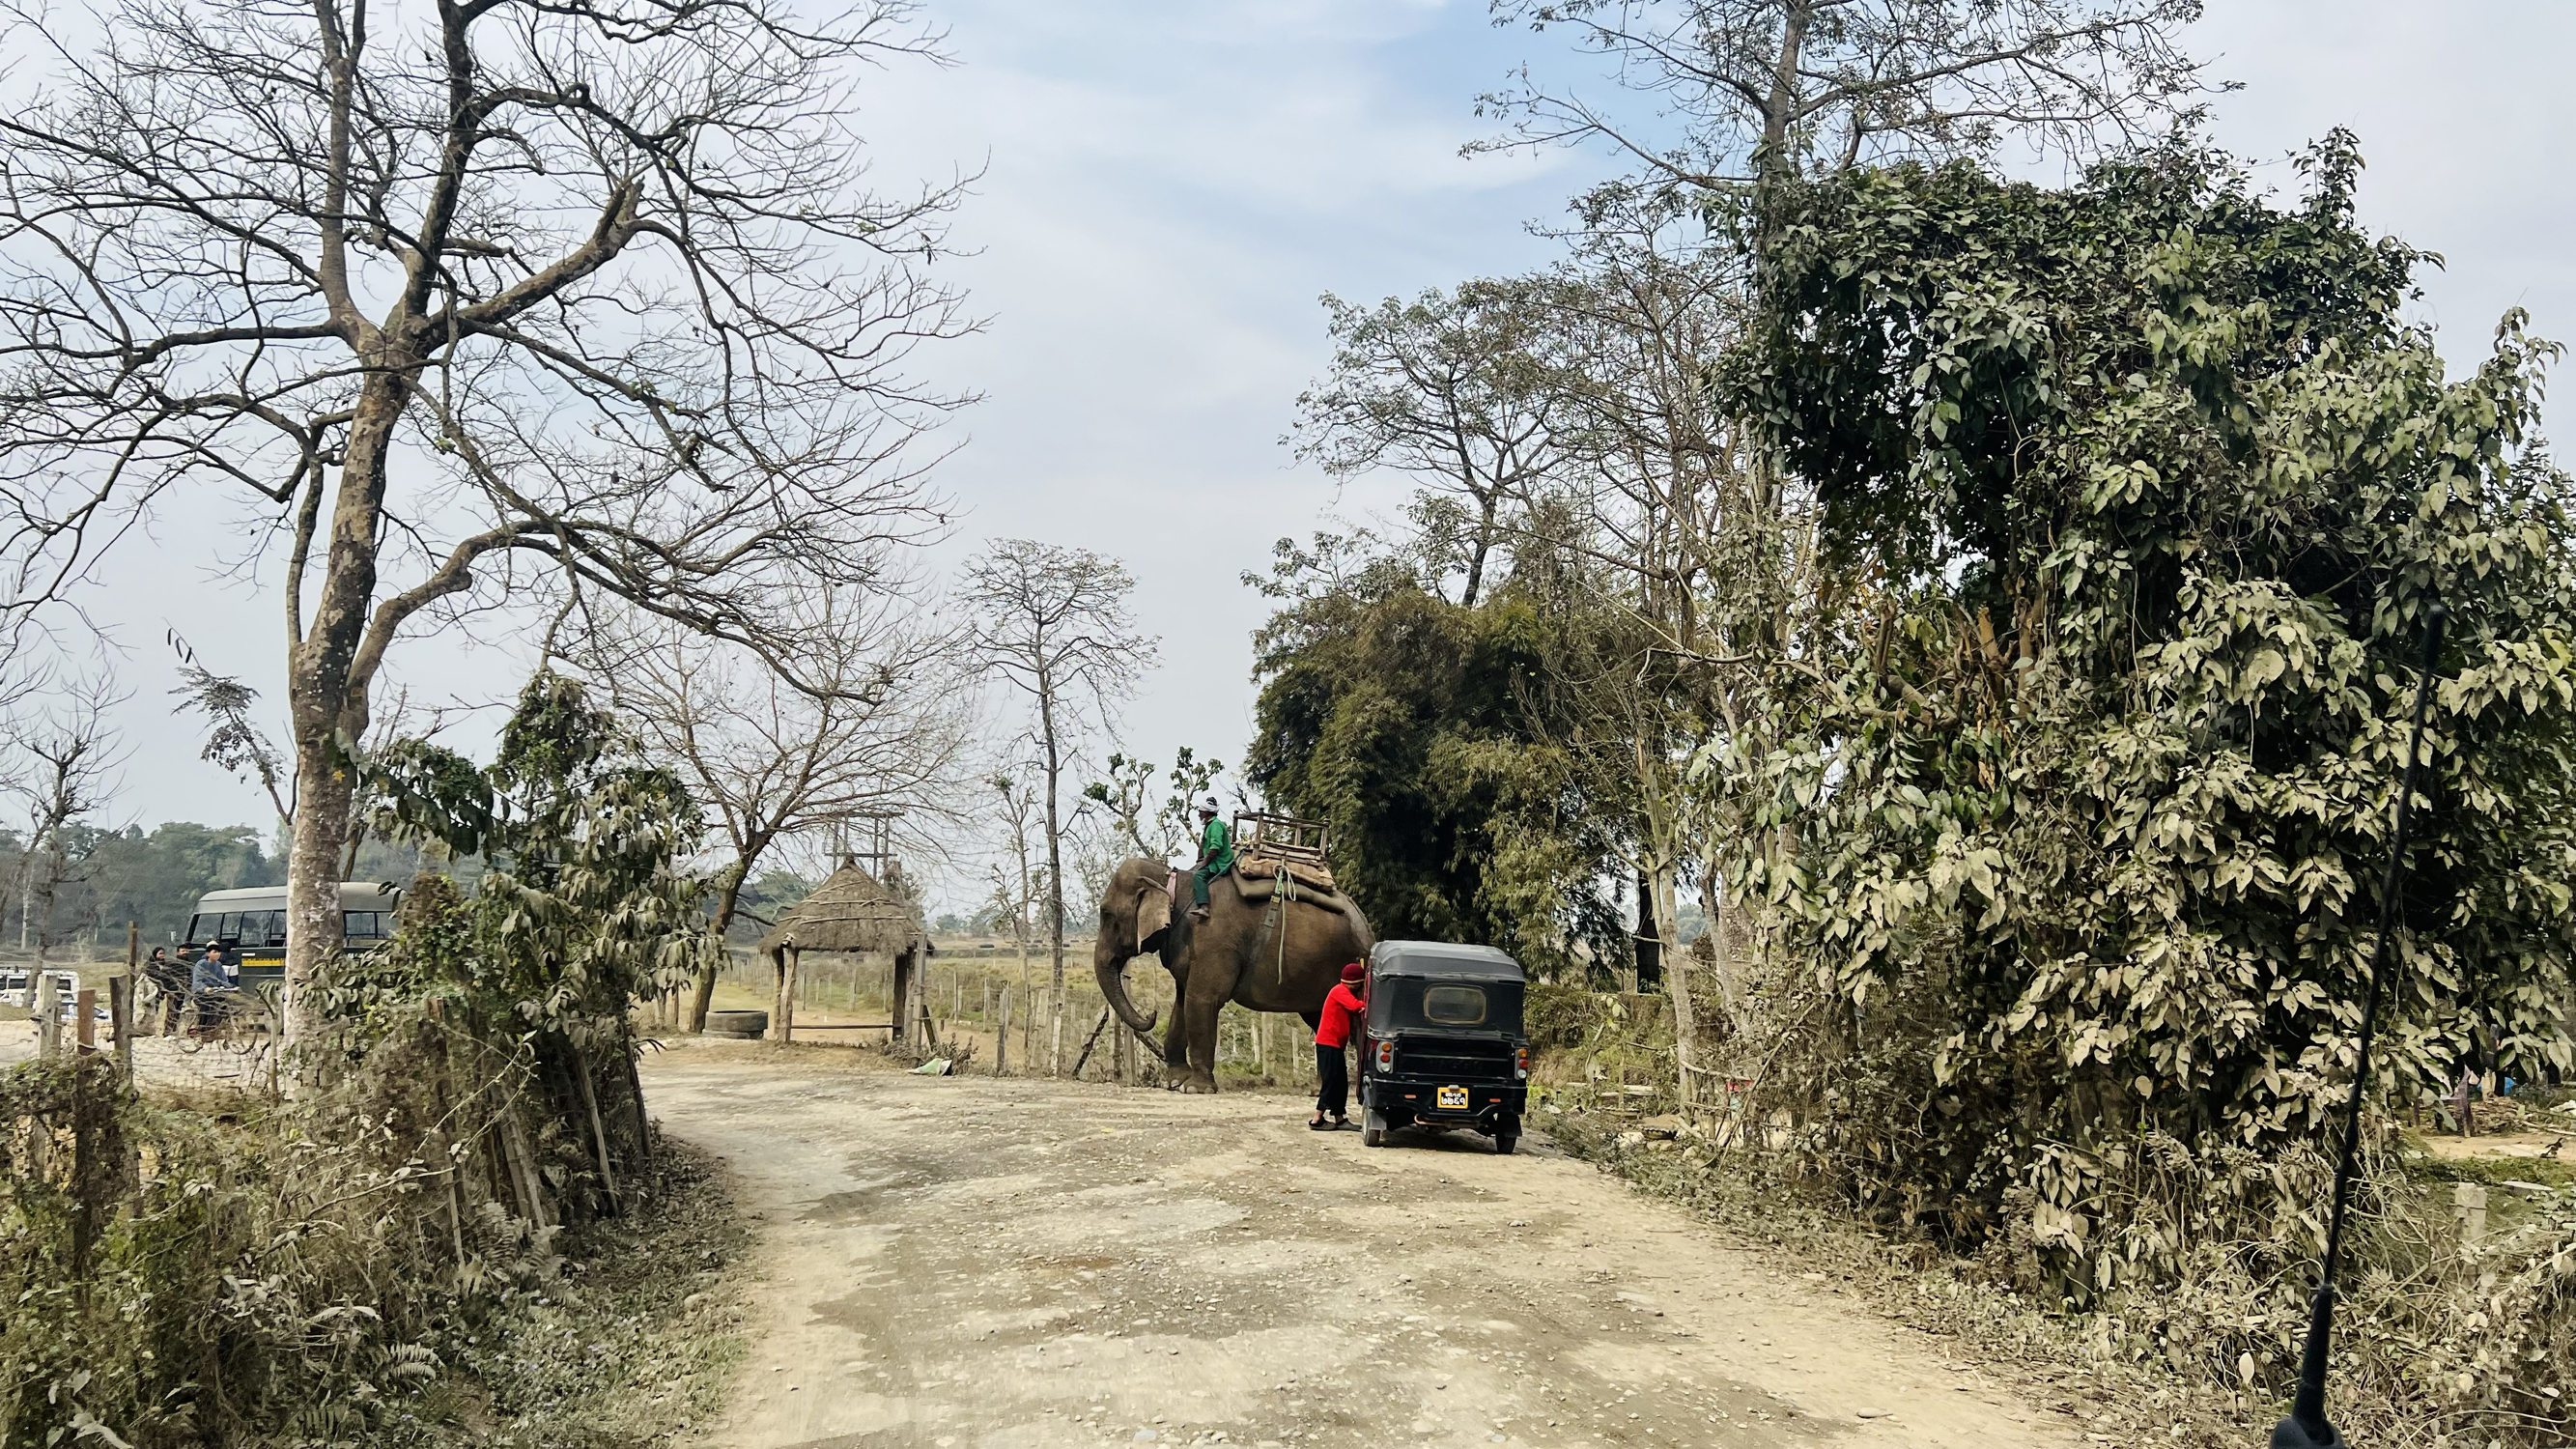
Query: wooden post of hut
{"points": [[901, 996], [784, 957], [851, 911]]}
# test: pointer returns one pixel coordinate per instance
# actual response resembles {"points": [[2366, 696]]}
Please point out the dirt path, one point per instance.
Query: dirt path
{"points": [[998, 1264]]}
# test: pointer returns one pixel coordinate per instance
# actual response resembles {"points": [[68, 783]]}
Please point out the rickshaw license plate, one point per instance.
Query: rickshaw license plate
{"points": [[1453, 1099]]}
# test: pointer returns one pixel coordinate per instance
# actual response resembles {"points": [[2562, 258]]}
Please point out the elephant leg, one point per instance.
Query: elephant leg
{"points": [[1199, 1011], [1176, 1041]]}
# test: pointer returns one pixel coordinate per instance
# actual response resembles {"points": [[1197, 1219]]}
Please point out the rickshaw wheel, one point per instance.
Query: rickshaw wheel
{"points": [[1504, 1142], [1373, 1130]]}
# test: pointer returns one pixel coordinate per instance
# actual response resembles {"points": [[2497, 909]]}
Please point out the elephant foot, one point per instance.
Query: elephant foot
{"points": [[1196, 1084]]}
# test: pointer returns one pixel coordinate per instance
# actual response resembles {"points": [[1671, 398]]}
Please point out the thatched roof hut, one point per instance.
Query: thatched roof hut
{"points": [[850, 911]]}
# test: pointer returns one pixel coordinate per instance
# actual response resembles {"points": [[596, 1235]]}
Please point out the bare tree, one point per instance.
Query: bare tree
{"points": [[1014, 884], [593, 293], [880, 737], [1772, 88], [1053, 621], [65, 759], [1448, 389]]}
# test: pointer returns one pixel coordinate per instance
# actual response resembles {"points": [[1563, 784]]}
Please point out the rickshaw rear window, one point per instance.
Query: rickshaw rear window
{"points": [[1454, 1005]]}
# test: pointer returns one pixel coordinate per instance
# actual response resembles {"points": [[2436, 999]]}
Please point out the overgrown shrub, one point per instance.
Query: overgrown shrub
{"points": [[2070, 847], [317, 1271]]}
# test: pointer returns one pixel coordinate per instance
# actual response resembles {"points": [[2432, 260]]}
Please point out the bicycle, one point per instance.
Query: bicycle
{"points": [[242, 1022]]}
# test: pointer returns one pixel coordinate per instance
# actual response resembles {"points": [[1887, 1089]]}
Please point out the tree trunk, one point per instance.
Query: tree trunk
{"points": [[49, 1014], [1779, 109], [1028, 995], [1659, 883], [728, 901], [1487, 499], [1712, 894], [1055, 881], [782, 1015], [1649, 937], [920, 995], [326, 695], [598, 1131], [324, 785]]}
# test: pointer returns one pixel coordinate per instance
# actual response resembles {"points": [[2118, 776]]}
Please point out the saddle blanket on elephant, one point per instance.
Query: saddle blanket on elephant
{"points": [[1256, 877]]}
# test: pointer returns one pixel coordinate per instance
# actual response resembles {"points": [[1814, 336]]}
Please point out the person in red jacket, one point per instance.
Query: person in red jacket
{"points": [[1343, 1010]]}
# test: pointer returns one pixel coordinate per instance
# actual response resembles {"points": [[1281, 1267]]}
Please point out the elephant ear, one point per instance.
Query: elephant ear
{"points": [[1153, 916]]}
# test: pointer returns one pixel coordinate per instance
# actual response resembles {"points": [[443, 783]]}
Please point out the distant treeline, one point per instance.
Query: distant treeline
{"points": [[155, 879]]}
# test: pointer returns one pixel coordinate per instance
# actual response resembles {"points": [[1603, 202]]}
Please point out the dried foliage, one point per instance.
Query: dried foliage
{"points": [[342, 1268], [347, 1269]]}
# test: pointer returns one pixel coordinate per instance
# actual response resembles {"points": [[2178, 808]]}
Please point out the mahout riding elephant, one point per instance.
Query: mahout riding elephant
{"points": [[1227, 957]]}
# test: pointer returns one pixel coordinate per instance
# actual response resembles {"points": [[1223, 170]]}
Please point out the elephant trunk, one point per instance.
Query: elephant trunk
{"points": [[1109, 964]]}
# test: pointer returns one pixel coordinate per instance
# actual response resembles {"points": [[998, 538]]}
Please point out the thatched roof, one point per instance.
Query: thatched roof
{"points": [[850, 911]]}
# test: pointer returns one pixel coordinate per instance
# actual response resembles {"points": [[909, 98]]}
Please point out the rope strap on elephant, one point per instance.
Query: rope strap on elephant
{"points": [[1283, 891]]}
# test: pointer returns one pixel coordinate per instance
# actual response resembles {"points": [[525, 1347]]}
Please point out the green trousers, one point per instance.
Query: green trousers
{"points": [[1199, 879]]}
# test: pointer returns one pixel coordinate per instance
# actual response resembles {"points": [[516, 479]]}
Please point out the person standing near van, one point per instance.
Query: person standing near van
{"points": [[170, 981], [1344, 1009]]}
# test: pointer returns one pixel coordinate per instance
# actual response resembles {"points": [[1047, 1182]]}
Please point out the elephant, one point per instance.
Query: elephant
{"points": [[1214, 961]]}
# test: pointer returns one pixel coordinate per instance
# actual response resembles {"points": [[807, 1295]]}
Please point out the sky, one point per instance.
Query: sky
{"points": [[1167, 187]]}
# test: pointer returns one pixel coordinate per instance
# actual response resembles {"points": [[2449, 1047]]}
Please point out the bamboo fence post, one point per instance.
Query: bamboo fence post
{"points": [[49, 1015], [598, 1133], [1088, 1043], [120, 1024]]}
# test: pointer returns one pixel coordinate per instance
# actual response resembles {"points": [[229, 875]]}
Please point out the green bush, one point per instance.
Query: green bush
{"points": [[2077, 846]]}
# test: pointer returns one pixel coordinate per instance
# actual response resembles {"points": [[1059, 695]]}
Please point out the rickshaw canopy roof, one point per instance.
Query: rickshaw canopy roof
{"points": [[1445, 960]]}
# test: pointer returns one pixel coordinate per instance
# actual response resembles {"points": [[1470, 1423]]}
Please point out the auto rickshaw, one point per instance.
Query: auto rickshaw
{"points": [[1443, 1046]]}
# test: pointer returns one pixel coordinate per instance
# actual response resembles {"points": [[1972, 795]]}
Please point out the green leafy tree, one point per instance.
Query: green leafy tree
{"points": [[583, 908], [153, 880], [1410, 725], [2142, 489]]}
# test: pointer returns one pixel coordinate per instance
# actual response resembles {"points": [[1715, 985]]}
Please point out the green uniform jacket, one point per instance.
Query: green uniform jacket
{"points": [[1218, 844]]}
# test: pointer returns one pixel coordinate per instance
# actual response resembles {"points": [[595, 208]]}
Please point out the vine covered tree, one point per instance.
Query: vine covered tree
{"points": [[466, 297], [2086, 828]]}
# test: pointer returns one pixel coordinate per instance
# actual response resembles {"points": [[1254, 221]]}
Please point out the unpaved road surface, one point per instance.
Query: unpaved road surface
{"points": [[965, 1263]]}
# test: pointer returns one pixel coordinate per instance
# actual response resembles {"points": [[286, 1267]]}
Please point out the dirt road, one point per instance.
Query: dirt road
{"points": [[965, 1263]]}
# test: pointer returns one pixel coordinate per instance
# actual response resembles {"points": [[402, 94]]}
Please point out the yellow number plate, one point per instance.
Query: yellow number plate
{"points": [[1453, 1099]]}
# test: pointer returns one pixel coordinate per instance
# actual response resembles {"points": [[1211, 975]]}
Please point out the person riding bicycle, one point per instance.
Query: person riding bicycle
{"points": [[210, 987]]}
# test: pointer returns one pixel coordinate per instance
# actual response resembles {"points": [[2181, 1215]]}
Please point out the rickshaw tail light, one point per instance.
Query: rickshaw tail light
{"points": [[1520, 1062], [1386, 1055]]}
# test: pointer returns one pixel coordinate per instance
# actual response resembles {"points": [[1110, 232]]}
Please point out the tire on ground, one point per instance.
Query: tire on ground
{"points": [[738, 1025]]}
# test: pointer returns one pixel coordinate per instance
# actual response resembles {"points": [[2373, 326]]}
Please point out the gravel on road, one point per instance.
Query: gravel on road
{"points": [[972, 1263]]}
